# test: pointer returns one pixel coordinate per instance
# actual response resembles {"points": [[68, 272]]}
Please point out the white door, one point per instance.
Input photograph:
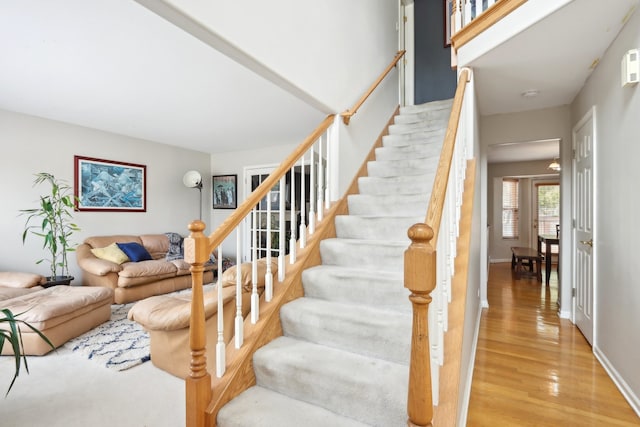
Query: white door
{"points": [[583, 210]]}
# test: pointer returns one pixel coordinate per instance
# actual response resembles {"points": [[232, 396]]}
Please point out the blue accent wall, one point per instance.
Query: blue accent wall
{"points": [[434, 78]]}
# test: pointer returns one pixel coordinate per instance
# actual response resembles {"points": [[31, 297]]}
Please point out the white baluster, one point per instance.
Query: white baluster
{"points": [[312, 190], [239, 330], [268, 276], [293, 219], [320, 181], [327, 185], [433, 334], [282, 242], [458, 20], [303, 205], [220, 345], [467, 12], [255, 298], [489, 3]]}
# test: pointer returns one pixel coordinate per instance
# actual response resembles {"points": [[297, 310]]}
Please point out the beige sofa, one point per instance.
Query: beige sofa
{"points": [[133, 281], [166, 318], [59, 312]]}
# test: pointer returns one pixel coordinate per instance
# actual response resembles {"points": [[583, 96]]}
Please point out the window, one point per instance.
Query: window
{"points": [[510, 208]]}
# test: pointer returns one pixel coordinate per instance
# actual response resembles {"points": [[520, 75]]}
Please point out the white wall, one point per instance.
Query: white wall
{"points": [[32, 145], [331, 49], [617, 203]]}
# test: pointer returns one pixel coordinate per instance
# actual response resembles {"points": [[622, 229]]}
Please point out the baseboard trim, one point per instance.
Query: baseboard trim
{"points": [[622, 385], [500, 260], [466, 396]]}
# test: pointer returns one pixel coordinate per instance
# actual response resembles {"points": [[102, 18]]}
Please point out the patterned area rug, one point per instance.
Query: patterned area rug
{"points": [[117, 344]]}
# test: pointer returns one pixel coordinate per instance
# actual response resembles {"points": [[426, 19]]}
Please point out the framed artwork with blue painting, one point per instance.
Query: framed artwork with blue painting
{"points": [[107, 185]]}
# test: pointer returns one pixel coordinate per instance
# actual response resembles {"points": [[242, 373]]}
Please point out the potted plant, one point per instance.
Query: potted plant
{"points": [[52, 221], [10, 333]]}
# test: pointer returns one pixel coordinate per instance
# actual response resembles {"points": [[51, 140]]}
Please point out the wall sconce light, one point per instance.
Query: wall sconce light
{"points": [[193, 179], [554, 165]]}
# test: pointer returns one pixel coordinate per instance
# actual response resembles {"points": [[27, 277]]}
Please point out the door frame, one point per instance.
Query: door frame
{"points": [[590, 114]]}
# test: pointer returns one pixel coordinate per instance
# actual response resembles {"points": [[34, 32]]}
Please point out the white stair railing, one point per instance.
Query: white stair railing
{"points": [[305, 213]]}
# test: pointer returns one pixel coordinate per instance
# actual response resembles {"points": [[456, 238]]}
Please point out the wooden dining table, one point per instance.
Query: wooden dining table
{"points": [[549, 240]]}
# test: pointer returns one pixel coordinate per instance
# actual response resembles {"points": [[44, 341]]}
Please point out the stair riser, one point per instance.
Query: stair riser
{"points": [[342, 285], [395, 186], [400, 168], [422, 151], [357, 329], [441, 115], [413, 138], [378, 228], [404, 129], [348, 252], [367, 205], [431, 106]]}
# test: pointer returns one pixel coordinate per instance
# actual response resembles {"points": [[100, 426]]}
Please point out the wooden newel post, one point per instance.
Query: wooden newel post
{"points": [[198, 383], [420, 279]]}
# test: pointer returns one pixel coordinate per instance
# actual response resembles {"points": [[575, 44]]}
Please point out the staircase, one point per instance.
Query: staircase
{"points": [[343, 357]]}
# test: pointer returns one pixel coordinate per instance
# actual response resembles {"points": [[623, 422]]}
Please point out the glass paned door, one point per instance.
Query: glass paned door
{"points": [[547, 210]]}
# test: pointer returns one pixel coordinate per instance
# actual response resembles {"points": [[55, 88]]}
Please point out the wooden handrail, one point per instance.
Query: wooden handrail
{"points": [[230, 224], [420, 273], [438, 193], [347, 114], [483, 21]]}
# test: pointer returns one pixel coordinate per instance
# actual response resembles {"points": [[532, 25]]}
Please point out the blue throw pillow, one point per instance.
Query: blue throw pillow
{"points": [[135, 251]]}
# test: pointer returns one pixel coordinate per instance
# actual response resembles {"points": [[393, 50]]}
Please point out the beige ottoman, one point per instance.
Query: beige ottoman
{"points": [[60, 313]]}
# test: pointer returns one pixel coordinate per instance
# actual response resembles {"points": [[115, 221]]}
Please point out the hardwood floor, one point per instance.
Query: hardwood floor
{"points": [[533, 368]]}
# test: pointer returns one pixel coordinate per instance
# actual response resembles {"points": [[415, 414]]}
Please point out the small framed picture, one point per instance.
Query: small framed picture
{"points": [[107, 185], [225, 191]]}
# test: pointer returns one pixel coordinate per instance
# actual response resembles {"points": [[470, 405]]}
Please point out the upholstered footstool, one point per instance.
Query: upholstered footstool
{"points": [[59, 312]]}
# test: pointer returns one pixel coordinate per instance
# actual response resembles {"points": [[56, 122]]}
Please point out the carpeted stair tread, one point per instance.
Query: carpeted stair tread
{"points": [[388, 205], [370, 390], [416, 151], [279, 410], [365, 330], [378, 288], [432, 114], [403, 167], [396, 185], [375, 227], [409, 128], [387, 256], [429, 106], [422, 137]]}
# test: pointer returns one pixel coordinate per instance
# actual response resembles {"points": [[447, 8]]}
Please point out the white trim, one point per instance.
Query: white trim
{"points": [[466, 395], [618, 380], [409, 57]]}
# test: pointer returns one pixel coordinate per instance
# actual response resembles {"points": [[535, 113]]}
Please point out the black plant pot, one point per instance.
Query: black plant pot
{"points": [[57, 280]]}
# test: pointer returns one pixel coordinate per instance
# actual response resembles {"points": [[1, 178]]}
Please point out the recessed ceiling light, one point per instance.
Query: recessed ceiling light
{"points": [[530, 93]]}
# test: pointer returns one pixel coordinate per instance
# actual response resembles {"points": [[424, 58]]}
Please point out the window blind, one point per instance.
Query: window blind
{"points": [[510, 208]]}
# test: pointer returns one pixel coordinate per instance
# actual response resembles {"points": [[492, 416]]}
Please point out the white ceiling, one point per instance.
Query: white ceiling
{"points": [[554, 57], [113, 65]]}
